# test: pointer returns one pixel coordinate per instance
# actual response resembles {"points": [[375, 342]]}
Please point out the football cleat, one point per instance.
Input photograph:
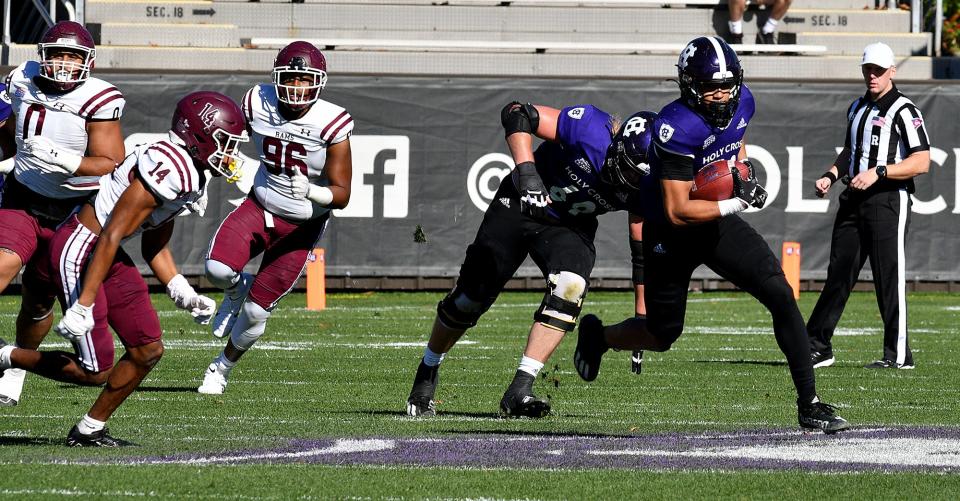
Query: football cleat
{"points": [[822, 359], [230, 307], [766, 38], [590, 347], [214, 381], [516, 403], [820, 416], [420, 402], [100, 438], [889, 364], [636, 362]]}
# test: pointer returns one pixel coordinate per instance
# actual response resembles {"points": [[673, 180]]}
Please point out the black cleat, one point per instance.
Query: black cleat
{"points": [[735, 38], [6, 401], [420, 402], [516, 403], [820, 416], [889, 364], [636, 362], [590, 347], [822, 359], [766, 38], [96, 439]]}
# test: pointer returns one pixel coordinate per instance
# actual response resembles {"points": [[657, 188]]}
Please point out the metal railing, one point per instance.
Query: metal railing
{"points": [[46, 10]]}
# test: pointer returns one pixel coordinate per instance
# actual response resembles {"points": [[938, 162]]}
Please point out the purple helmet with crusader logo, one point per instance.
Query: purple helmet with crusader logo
{"points": [[628, 157], [66, 36], [299, 60], [211, 127], [705, 65]]}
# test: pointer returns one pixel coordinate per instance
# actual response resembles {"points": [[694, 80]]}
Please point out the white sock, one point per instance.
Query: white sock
{"points": [[223, 364], [736, 27], [530, 366], [5, 356], [89, 426], [432, 359], [770, 26]]}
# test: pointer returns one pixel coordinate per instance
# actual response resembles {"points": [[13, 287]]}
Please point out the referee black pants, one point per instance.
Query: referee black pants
{"points": [[874, 226]]}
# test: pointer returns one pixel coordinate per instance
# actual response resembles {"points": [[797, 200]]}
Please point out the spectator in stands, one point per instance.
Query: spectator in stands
{"points": [[766, 35]]}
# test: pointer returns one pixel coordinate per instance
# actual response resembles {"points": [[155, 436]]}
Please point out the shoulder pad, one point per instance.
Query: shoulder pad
{"points": [[167, 171]]}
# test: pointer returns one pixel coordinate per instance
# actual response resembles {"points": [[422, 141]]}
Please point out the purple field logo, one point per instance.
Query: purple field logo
{"points": [[881, 449]]}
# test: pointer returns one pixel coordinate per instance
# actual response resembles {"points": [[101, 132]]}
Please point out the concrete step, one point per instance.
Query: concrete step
{"points": [[796, 68], [656, 4], [852, 44], [170, 35], [306, 20]]}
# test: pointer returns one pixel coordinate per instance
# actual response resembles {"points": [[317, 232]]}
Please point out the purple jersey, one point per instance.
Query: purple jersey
{"points": [[5, 109], [681, 132], [570, 167]]}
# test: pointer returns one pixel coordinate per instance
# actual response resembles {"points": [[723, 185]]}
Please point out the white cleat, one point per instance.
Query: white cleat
{"points": [[11, 386], [230, 306], [214, 381]]}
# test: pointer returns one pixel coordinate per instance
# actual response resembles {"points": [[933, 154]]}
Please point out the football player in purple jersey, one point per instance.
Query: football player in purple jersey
{"points": [[67, 133], [707, 123], [589, 164], [100, 284]]}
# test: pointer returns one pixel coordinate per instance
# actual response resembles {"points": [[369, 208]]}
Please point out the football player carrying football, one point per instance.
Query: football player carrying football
{"points": [[101, 286], [705, 124], [305, 171], [547, 209], [67, 134]]}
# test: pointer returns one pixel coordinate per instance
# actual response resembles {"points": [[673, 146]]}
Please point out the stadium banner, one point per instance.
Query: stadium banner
{"points": [[429, 153]]}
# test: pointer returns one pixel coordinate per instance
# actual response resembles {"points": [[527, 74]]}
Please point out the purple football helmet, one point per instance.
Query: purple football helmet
{"points": [[303, 60], [628, 156], [211, 127], [705, 65], [66, 36]]}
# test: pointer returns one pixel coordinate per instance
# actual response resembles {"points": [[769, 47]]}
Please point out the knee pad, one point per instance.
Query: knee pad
{"points": [[221, 275], [251, 323], [562, 303], [458, 311], [636, 259]]}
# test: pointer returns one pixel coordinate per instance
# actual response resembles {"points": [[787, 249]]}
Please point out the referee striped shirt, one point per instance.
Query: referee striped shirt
{"points": [[882, 132]]}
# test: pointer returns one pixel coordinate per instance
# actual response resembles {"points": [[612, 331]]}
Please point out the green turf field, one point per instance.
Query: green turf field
{"points": [[316, 379]]}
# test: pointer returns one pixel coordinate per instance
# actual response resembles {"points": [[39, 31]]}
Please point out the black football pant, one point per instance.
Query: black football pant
{"points": [[505, 239], [874, 226], [735, 251]]}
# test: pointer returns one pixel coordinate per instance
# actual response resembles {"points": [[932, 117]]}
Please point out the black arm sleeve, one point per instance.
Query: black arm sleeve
{"points": [[675, 167], [843, 161]]}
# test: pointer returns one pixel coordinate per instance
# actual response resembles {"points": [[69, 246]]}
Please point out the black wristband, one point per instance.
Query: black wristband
{"points": [[830, 175], [526, 168]]}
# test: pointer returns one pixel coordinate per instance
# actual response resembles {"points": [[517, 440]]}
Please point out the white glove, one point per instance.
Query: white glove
{"points": [[50, 153], [76, 322], [299, 185], [181, 292], [6, 166], [202, 309]]}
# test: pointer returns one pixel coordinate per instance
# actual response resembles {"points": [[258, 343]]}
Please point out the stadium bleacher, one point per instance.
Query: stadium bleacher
{"points": [[526, 38]]}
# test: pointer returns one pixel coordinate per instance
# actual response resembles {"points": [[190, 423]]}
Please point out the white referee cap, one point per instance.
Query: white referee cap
{"points": [[879, 54]]}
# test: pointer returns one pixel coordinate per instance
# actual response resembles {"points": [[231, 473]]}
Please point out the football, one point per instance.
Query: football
{"points": [[714, 182]]}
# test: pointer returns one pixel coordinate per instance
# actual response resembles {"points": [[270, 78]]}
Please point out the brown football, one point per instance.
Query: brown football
{"points": [[714, 182]]}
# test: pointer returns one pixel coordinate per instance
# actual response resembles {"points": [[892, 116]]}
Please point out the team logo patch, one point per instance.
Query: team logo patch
{"points": [[583, 164], [208, 115], [666, 132], [5, 97], [576, 113], [658, 249], [879, 122], [18, 91], [709, 141], [917, 123], [505, 201], [742, 124]]}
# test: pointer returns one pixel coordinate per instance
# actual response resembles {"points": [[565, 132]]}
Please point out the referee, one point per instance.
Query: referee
{"points": [[886, 147]]}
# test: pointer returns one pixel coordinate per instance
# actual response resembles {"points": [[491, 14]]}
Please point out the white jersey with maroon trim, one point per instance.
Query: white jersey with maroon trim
{"points": [[166, 170], [285, 145], [62, 118]]}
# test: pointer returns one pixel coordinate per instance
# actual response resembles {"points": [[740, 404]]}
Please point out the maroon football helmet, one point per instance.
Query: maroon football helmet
{"points": [[66, 36], [299, 59], [211, 127]]}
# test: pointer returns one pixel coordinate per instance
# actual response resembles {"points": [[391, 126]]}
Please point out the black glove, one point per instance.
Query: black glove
{"points": [[533, 194], [748, 190]]}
